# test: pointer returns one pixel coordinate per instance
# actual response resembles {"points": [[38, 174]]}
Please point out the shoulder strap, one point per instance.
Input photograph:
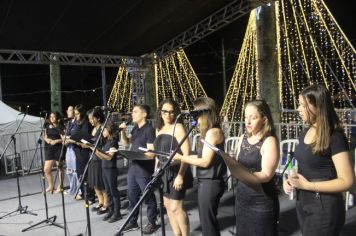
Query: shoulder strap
{"points": [[239, 146]]}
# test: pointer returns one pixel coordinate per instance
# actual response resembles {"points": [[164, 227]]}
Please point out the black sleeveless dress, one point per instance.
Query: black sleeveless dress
{"points": [[95, 176], [163, 143], [54, 151], [256, 213]]}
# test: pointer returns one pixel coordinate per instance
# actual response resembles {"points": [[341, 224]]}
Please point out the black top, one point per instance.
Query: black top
{"points": [[319, 166], [100, 144], [107, 145], [165, 143], [54, 132], [83, 127], [216, 170], [251, 158], [139, 138]]}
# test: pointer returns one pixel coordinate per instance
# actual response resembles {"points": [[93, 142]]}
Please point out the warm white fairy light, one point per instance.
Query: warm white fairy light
{"points": [[176, 79]]}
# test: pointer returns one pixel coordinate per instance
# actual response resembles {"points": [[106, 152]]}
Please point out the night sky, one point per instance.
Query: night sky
{"points": [[29, 84]]}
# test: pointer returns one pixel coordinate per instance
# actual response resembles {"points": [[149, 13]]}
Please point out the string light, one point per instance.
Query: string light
{"points": [[244, 82], [92, 90], [175, 78], [312, 49]]}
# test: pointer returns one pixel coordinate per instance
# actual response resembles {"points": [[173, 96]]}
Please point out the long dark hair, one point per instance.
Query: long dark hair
{"points": [[211, 119], [159, 121], [98, 114], [326, 119], [113, 130], [58, 117], [263, 109], [82, 112]]}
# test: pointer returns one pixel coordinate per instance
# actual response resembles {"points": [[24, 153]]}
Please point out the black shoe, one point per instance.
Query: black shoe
{"points": [[115, 218], [97, 207], [150, 228], [130, 226], [102, 210], [108, 216]]}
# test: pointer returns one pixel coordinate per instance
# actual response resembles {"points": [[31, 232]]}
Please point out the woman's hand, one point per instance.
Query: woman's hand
{"points": [[178, 183], [83, 145], [299, 181], [287, 186], [177, 157]]}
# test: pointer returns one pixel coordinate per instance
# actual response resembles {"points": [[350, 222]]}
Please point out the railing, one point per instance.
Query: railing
{"points": [[284, 130], [26, 143], [26, 148]]}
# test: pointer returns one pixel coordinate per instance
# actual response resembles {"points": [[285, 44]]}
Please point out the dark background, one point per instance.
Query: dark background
{"points": [[30, 84]]}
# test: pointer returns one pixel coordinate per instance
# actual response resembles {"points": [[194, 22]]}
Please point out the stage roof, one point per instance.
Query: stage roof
{"points": [[121, 27]]}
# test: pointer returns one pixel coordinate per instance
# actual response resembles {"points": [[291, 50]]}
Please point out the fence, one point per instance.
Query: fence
{"points": [[26, 143]]}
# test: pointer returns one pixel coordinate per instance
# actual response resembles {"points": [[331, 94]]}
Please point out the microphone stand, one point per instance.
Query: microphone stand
{"points": [[49, 220], [20, 208], [290, 158], [150, 186], [81, 179]]}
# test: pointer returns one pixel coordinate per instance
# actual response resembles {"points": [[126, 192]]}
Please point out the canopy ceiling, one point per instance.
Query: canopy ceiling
{"points": [[121, 27]]}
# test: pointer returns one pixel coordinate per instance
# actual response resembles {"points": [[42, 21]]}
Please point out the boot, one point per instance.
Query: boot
{"points": [[115, 217], [108, 215]]}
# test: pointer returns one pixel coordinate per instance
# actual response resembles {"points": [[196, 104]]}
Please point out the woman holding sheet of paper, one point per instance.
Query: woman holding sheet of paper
{"points": [[256, 203]]}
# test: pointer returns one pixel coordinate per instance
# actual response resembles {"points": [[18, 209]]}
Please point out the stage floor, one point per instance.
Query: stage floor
{"points": [[77, 221]]}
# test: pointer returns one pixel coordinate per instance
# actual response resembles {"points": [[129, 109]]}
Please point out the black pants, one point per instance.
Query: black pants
{"points": [[322, 215], [110, 183], [81, 159], [209, 194], [135, 186]]}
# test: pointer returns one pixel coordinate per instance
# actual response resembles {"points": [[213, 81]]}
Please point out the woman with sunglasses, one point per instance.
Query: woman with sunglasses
{"points": [[178, 177]]}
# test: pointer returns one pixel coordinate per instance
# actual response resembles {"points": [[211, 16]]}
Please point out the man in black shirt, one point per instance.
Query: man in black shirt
{"points": [[140, 172]]}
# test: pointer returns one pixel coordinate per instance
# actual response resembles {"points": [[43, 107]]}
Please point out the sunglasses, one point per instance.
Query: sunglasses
{"points": [[167, 112]]}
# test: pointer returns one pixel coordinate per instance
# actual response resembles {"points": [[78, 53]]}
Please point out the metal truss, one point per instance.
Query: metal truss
{"points": [[74, 59], [210, 24]]}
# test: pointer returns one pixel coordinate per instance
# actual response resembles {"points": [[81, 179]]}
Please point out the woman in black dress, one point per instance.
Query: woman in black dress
{"points": [[211, 169], [256, 202], [53, 141], [108, 155], [324, 167], [95, 177], [178, 177]]}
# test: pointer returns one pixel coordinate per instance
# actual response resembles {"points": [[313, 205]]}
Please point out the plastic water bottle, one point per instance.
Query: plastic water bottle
{"points": [[292, 170], [351, 200]]}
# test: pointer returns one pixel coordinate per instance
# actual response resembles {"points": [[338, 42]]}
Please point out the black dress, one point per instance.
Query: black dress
{"points": [[163, 143], [54, 151], [95, 176], [256, 213]]}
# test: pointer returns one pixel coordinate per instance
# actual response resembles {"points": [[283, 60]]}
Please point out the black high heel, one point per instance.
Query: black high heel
{"points": [[102, 210], [97, 207]]}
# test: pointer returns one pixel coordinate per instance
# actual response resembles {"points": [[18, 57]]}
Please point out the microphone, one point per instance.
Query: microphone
{"points": [[64, 119], [195, 113], [128, 121]]}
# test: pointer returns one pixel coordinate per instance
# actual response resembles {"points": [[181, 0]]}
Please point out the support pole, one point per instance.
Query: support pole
{"points": [[150, 87], [223, 58], [0, 87], [267, 57], [55, 80], [103, 84]]}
